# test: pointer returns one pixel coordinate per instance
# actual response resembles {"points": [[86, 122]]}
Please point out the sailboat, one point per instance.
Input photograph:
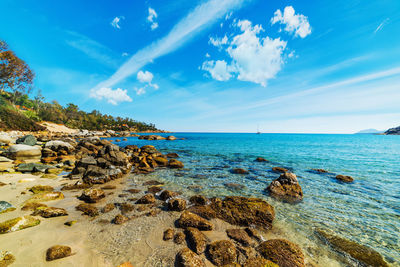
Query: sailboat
{"points": [[258, 130]]}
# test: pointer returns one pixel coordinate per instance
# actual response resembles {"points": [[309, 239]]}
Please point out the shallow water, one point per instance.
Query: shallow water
{"points": [[366, 211]]}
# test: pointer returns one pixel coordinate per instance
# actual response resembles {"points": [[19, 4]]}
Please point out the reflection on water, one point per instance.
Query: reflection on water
{"points": [[366, 211]]}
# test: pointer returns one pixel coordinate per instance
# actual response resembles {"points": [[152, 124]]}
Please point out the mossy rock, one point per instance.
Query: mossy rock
{"points": [[37, 189], [6, 258], [70, 223], [33, 206], [6, 207], [43, 197], [18, 223], [49, 176], [361, 253]]}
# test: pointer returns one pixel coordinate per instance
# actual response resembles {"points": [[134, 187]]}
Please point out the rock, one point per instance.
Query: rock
{"points": [[179, 238], [260, 159], [188, 219], [57, 252], [6, 207], [107, 208], [148, 149], [57, 145], [92, 195], [344, 178], [33, 167], [172, 155], [282, 252], [88, 209], [177, 204], [6, 258], [18, 223], [2, 184], [133, 191], [259, 262], [86, 161], [153, 182], [166, 194], [171, 138], [197, 241], [279, 170], [168, 234], [49, 212], [70, 223], [43, 197], [239, 235], [108, 187], [253, 233], [24, 152], [120, 219], [147, 199], [363, 254], [222, 252], [126, 208], [240, 171], [29, 140], [37, 189], [187, 258], [239, 211], [161, 161], [286, 188], [154, 189], [198, 200], [175, 164], [5, 138], [320, 170]]}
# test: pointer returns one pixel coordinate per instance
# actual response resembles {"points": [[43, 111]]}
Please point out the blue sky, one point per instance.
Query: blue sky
{"points": [[217, 65]]}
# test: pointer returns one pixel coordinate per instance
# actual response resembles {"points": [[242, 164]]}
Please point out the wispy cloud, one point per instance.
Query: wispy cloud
{"points": [[91, 48], [295, 23], [380, 27], [115, 22], [203, 15], [151, 19]]}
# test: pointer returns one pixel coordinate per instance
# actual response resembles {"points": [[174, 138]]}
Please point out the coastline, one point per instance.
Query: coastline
{"points": [[138, 240]]}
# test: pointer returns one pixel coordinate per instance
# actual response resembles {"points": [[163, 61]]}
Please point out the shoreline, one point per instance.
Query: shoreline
{"points": [[139, 239]]}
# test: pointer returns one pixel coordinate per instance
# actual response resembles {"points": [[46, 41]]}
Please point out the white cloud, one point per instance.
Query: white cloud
{"points": [[218, 42], [115, 22], [207, 55], [254, 59], [296, 24], [291, 54], [151, 19], [113, 97], [145, 77], [219, 70], [202, 16], [140, 91]]}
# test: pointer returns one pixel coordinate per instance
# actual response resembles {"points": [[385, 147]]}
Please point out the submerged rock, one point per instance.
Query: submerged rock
{"points": [[320, 170], [57, 252], [260, 159], [222, 252], [17, 224], [6, 207], [6, 258], [146, 199], [344, 178], [282, 252], [187, 258], [108, 207], [88, 209], [196, 240], [363, 254], [240, 171], [189, 219], [166, 194], [286, 188], [175, 164], [279, 170]]}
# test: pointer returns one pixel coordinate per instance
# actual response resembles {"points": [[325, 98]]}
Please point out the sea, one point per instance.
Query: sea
{"points": [[366, 211]]}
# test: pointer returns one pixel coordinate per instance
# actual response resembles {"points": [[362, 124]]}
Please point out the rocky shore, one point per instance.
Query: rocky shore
{"points": [[68, 199]]}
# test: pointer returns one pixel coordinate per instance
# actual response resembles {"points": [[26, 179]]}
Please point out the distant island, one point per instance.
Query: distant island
{"points": [[369, 131]]}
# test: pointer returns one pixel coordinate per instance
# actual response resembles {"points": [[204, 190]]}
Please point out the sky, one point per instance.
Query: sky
{"points": [[217, 65]]}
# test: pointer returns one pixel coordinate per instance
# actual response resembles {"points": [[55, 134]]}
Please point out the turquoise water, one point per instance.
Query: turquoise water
{"points": [[366, 211]]}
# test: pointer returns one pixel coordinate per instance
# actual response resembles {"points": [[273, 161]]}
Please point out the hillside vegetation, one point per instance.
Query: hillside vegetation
{"points": [[20, 112]]}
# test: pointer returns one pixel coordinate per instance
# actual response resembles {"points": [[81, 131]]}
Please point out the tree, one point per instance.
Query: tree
{"points": [[15, 74]]}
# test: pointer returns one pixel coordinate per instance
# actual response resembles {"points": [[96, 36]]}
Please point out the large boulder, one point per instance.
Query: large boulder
{"points": [[92, 195], [17, 224], [187, 258], [365, 255], [29, 140], [237, 210], [188, 219], [286, 188], [239, 235], [196, 240], [177, 204], [282, 252], [24, 152], [222, 252], [57, 252]]}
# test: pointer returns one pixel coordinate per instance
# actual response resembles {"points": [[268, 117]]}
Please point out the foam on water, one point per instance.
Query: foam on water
{"points": [[366, 211]]}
